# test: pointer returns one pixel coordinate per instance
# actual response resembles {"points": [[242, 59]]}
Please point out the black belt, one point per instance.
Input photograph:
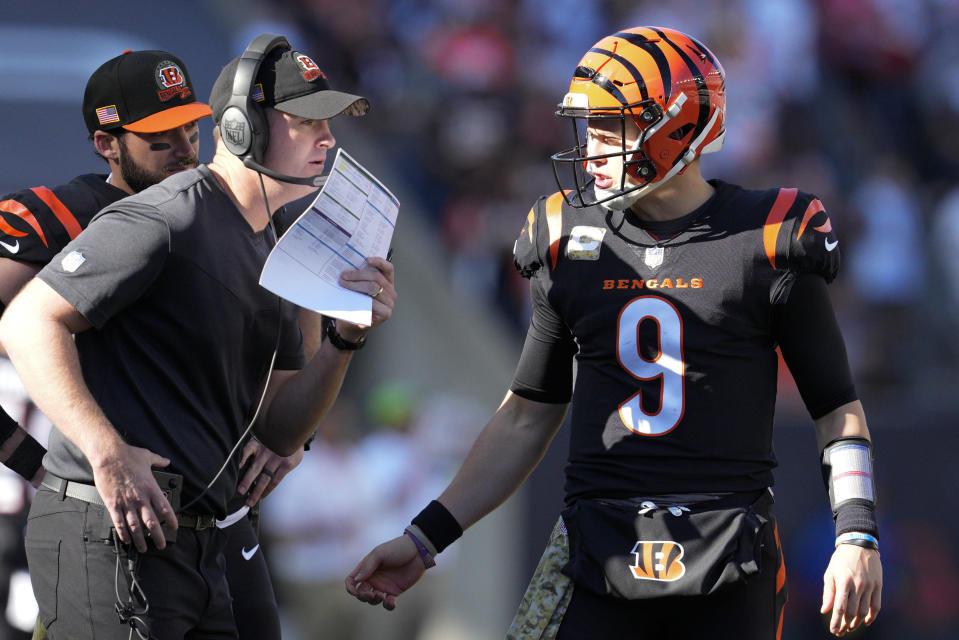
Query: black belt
{"points": [[89, 493]]}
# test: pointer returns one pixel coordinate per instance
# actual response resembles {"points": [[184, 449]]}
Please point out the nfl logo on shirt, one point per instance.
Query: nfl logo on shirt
{"points": [[72, 261], [654, 256]]}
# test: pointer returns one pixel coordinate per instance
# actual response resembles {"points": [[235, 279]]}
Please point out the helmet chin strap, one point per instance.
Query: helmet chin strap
{"points": [[619, 203]]}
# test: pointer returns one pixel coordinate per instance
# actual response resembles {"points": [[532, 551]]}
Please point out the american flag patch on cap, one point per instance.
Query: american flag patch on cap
{"points": [[257, 93], [106, 115]]}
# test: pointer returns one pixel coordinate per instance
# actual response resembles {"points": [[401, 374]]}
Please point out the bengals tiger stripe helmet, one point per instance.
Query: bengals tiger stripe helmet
{"points": [[666, 82]]}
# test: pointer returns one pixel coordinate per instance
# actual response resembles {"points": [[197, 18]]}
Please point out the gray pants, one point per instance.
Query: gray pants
{"points": [[73, 568]]}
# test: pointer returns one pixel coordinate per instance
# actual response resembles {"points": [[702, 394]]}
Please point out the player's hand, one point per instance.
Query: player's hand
{"points": [[386, 572], [265, 472], [852, 588], [375, 280], [137, 506]]}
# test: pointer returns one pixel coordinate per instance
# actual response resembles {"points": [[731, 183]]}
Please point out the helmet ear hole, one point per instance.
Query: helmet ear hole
{"points": [[682, 131]]}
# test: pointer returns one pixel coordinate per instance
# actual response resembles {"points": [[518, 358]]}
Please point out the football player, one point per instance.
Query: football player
{"points": [[672, 293]]}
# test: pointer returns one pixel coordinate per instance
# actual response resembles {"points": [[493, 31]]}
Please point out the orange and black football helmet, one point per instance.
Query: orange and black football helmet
{"points": [[669, 84]]}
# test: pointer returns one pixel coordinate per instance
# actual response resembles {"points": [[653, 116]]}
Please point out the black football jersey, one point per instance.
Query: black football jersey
{"points": [[35, 224], [676, 365]]}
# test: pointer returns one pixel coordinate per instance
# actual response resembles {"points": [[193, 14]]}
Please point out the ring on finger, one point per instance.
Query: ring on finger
{"points": [[266, 472], [378, 292]]}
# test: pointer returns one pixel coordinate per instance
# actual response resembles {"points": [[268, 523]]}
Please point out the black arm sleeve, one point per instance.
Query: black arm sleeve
{"points": [[812, 345], [545, 369], [8, 426]]}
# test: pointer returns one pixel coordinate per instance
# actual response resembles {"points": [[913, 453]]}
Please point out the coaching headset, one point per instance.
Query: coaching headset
{"points": [[243, 126]]}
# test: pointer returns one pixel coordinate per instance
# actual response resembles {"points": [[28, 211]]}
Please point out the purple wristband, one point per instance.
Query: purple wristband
{"points": [[424, 552]]}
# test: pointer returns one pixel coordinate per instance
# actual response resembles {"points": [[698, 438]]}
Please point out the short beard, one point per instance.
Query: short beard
{"points": [[138, 178]]}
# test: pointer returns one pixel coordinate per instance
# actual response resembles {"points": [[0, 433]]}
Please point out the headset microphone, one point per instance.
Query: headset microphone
{"points": [[315, 181]]}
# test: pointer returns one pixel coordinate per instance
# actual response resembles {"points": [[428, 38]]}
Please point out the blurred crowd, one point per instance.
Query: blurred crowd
{"points": [[374, 462], [856, 101]]}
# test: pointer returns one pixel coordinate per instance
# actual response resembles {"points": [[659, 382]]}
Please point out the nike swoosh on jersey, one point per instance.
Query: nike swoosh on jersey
{"points": [[12, 248], [831, 245], [248, 554]]}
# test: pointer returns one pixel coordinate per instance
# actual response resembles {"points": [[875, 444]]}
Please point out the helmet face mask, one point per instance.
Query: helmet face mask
{"points": [[658, 82], [623, 160]]}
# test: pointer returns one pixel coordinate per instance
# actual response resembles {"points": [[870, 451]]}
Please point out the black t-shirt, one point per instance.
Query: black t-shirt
{"points": [[36, 223], [674, 335], [182, 332]]}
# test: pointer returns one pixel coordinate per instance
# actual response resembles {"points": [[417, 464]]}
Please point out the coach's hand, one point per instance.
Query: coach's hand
{"points": [[137, 506], [852, 588], [267, 469], [386, 572], [375, 279]]}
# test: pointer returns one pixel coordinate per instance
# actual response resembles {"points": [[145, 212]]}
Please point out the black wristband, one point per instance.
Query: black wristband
{"points": [[8, 426], [338, 341], [439, 525], [856, 515], [27, 458]]}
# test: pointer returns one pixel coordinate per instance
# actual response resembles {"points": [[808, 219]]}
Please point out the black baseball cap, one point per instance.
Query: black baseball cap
{"points": [[141, 91], [291, 82]]}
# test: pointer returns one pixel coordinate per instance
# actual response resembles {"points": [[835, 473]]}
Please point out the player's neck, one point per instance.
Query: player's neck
{"points": [[115, 178], [682, 195]]}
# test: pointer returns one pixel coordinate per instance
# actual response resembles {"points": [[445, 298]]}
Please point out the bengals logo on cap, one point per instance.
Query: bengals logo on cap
{"points": [[308, 68], [171, 80], [658, 560]]}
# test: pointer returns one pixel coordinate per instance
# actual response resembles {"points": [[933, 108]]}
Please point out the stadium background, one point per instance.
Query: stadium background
{"points": [[854, 100]]}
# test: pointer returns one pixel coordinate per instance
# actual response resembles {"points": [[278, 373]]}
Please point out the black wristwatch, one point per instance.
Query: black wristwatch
{"points": [[338, 341]]}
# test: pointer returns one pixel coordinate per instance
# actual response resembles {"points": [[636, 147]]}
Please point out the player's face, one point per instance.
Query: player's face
{"points": [[298, 146], [148, 158], [605, 136]]}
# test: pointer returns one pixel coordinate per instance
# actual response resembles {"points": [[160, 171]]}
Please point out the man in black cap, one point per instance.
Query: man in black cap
{"points": [[174, 342], [141, 111]]}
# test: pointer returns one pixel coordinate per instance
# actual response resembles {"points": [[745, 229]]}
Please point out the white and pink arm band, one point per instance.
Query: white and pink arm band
{"points": [[847, 468]]}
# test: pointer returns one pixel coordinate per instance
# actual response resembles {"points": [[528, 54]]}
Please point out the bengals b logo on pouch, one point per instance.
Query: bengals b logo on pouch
{"points": [[658, 560]]}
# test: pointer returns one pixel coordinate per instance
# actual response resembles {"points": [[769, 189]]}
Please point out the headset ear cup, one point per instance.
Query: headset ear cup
{"points": [[243, 126], [235, 131]]}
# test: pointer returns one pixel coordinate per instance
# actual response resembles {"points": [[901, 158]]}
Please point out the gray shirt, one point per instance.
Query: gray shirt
{"points": [[182, 332]]}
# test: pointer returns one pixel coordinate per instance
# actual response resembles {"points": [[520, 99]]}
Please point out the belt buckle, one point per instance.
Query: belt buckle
{"points": [[205, 522]]}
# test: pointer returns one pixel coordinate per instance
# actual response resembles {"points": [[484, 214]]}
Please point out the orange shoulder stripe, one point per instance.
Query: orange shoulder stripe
{"points": [[774, 221], [530, 221], [17, 209], [554, 222], [60, 210], [814, 207]]}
